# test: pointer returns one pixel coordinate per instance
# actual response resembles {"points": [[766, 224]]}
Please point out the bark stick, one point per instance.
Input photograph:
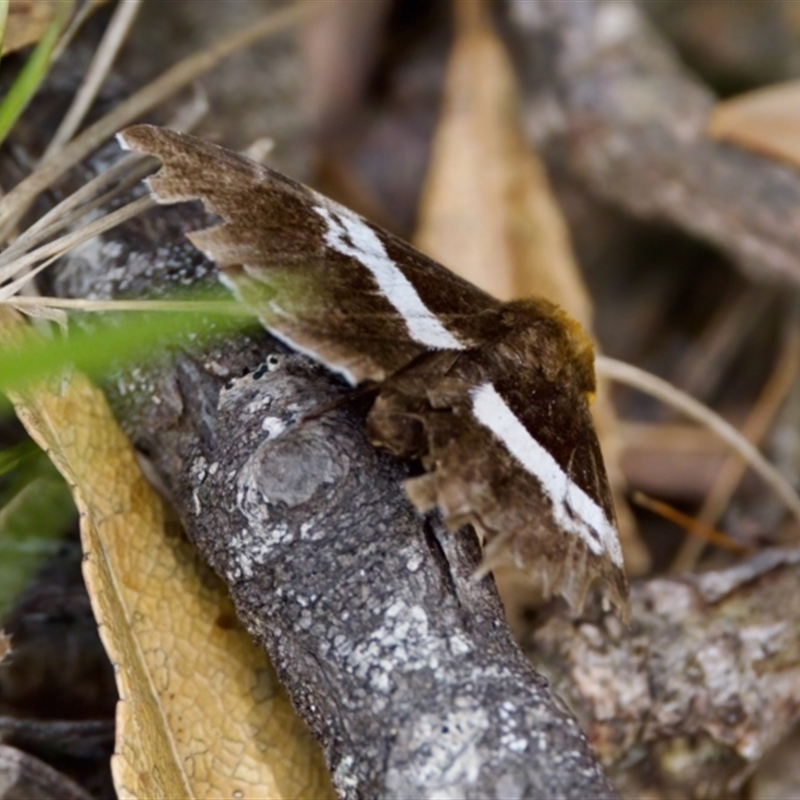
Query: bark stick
{"points": [[401, 664], [608, 97], [703, 685]]}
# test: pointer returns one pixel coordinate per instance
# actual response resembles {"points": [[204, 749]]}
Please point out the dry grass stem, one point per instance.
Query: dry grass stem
{"points": [[667, 393], [115, 35], [704, 364], [34, 312], [60, 246], [9, 290], [754, 429], [699, 530], [682, 438], [121, 176], [18, 200], [232, 307], [81, 15]]}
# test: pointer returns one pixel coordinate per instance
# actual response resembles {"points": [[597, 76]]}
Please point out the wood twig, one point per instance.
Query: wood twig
{"points": [[705, 682], [399, 661], [608, 97]]}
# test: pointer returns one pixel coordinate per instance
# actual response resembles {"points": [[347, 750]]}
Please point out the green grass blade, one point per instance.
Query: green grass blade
{"points": [[3, 18], [36, 510], [117, 338], [34, 71]]}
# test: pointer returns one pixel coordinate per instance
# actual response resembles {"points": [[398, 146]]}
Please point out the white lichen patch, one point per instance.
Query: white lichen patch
{"points": [[414, 562], [257, 405], [402, 643], [199, 470], [509, 736], [273, 426], [447, 752], [459, 645], [254, 548], [517, 744], [344, 775], [215, 368], [311, 532]]}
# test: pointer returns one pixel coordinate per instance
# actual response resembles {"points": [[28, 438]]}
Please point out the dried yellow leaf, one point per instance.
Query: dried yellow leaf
{"points": [[201, 711], [487, 210], [27, 21]]}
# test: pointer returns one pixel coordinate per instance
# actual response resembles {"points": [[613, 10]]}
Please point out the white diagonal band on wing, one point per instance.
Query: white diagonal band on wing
{"points": [[348, 234], [573, 509]]}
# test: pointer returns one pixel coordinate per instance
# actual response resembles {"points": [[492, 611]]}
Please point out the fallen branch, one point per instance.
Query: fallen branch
{"points": [[702, 686], [605, 94], [400, 663]]}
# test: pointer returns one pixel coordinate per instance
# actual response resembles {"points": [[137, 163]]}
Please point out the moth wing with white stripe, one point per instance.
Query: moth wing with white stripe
{"points": [[512, 450], [491, 397], [318, 276]]}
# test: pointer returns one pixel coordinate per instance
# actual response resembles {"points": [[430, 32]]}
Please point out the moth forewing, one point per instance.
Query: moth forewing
{"points": [[490, 397]]}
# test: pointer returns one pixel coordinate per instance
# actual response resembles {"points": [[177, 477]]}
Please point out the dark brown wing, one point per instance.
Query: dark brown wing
{"points": [[352, 295], [492, 397], [513, 451]]}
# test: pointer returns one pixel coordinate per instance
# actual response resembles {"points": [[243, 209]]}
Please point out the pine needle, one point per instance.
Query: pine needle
{"points": [[104, 56], [695, 527], [60, 246]]}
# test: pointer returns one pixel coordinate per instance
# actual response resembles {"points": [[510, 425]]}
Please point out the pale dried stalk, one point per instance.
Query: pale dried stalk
{"points": [[81, 15], [71, 208], [121, 176], [62, 245], [18, 200], [104, 56], [232, 307], [667, 393], [754, 429]]}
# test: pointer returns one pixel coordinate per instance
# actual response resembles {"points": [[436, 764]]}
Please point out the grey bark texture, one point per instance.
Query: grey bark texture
{"points": [[400, 662], [25, 777], [606, 96], [702, 686]]}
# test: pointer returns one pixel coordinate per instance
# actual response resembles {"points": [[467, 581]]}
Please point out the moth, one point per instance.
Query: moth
{"points": [[492, 398]]}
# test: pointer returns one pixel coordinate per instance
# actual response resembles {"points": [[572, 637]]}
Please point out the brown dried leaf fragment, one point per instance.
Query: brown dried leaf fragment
{"points": [[27, 21], [766, 121], [487, 211], [201, 711]]}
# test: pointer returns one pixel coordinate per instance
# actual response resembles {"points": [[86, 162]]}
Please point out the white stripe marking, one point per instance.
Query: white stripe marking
{"points": [[349, 235], [573, 509]]}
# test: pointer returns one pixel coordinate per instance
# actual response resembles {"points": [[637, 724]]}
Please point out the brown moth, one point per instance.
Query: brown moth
{"points": [[492, 397]]}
